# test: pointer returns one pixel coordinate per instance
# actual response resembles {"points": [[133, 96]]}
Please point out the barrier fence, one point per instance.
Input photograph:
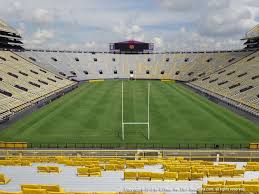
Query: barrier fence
{"points": [[209, 155], [24, 145]]}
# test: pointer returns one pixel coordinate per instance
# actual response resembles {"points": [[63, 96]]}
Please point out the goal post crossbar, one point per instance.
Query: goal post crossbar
{"points": [[134, 123]]}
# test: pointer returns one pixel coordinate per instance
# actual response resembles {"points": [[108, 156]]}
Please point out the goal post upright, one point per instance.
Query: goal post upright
{"points": [[122, 121], [148, 100]]}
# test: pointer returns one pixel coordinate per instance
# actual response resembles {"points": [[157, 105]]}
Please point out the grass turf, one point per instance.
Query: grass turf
{"points": [[92, 114]]}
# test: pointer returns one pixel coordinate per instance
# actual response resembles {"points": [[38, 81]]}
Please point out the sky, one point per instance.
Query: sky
{"points": [[172, 25]]}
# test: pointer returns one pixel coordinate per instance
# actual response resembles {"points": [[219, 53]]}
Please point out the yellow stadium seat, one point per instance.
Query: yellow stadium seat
{"points": [[185, 169], [43, 169], [82, 193], [4, 180], [96, 171], [130, 175], [54, 169], [249, 168], [110, 167], [227, 173], [82, 171], [196, 168], [233, 182], [184, 176], [34, 191], [157, 176], [252, 163], [216, 182], [256, 168], [197, 176], [214, 173], [173, 168], [251, 182], [52, 188], [231, 187], [7, 192], [170, 175], [239, 172], [106, 193], [144, 176], [119, 167], [25, 163], [251, 188], [205, 171], [153, 162], [48, 169], [30, 186], [212, 187], [135, 165]]}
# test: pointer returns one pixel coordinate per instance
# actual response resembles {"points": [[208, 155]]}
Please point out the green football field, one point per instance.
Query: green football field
{"points": [[92, 114]]}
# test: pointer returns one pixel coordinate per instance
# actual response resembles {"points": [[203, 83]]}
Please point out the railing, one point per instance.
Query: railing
{"points": [[210, 155], [13, 145]]}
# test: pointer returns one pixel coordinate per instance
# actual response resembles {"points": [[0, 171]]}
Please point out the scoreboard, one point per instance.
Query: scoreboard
{"points": [[131, 46]]}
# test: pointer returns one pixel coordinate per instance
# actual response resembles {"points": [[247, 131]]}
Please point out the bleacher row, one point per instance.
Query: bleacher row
{"points": [[56, 189], [212, 187], [237, 84], [174, 169], [23, 83], [103, 65]]}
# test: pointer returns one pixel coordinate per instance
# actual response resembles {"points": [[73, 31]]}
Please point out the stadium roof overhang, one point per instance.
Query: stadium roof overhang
{"points": [[4, 27], [9, 37], [252, 34], [131, 42]]}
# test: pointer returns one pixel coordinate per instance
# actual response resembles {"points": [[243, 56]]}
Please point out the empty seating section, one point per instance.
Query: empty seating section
{"points": [[175, 168], [23, 83], [237, 83], [188, 170], [101, 65], [213, 177]]}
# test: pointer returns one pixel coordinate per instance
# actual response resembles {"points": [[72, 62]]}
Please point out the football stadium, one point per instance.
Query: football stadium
{"points": [[128, 120]]}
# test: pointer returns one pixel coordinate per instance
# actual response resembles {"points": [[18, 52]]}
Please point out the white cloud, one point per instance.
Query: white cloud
{"points": [[44, 34], [158, 41], [92, 24], [40, 37], [15, 6], [90, 44], [217, 24], [129, 31], [180, 5], [42, 16]]}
